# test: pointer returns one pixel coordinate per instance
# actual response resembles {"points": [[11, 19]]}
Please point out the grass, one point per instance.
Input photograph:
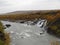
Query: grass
{"points": [[50, 16], [1, 42], [55, 43], [1, 29], [54, 28], [6, 36]]}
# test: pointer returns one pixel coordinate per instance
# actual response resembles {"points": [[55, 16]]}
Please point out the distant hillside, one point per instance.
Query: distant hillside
{"points": [[50, 15]]}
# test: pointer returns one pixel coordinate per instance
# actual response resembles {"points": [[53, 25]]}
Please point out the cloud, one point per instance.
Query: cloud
{"points": [[46, 4], [13, 5]]}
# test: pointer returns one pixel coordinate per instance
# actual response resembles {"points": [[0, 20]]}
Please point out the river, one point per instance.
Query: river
{"points": [[23, 34]]}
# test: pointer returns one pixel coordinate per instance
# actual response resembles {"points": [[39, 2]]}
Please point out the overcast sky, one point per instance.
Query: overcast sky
{"points": [[14, 5]]}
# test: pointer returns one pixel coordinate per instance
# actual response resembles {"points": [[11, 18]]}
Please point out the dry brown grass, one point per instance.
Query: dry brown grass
{"points": [[7, 41], [55, 43], [31, 16]]}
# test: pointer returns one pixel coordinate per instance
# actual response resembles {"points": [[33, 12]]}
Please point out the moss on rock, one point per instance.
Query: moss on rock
{"points": [[54, 28]]}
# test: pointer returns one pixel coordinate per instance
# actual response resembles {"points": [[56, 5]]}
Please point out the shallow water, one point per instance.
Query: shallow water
{"points": [[23, 34]]}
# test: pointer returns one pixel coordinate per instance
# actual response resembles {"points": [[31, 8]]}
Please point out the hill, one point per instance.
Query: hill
{"points": [[31, 15], [50, 15]]}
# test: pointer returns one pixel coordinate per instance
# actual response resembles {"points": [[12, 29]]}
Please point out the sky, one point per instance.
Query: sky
{"points": [[19, 5]]}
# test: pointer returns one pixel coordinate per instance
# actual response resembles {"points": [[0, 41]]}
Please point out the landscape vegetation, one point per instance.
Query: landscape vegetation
{"points": [[52, 16], [4, 37]]}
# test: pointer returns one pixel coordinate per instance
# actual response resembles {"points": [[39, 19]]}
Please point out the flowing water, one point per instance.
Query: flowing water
{"points": [[23, 34]]}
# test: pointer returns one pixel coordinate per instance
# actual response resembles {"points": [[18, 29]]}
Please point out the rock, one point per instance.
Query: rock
{"points": [[54, 28], [7, 25], [2, 36]]}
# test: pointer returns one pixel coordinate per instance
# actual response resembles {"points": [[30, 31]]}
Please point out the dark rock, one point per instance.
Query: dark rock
{"points": [[41, 33], [2, 36], [54, 28], [7, 25]]}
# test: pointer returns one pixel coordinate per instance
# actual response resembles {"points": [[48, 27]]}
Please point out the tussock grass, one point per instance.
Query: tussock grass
{"points": [[5, 35]]}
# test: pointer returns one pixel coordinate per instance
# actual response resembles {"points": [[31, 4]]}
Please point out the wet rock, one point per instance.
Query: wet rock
{"points": [[7, 25], [4, 27], [2, 36], [41, 33], [22, 22], [54, 28]]}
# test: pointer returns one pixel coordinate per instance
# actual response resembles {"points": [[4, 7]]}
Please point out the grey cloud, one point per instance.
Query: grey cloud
{"points": [[3, 3], [12, 5]]}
